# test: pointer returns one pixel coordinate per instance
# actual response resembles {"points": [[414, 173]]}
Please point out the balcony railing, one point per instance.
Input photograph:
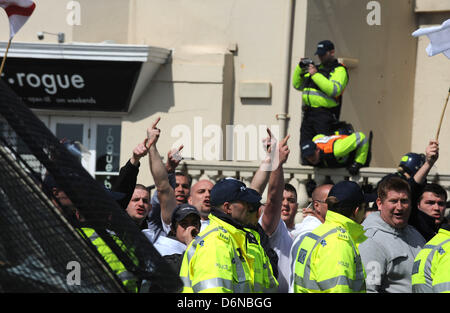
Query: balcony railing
{"points": [[298, 176]]}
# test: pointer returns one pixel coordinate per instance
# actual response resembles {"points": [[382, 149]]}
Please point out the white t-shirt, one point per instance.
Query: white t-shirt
{"points": [[165, 245], [295, 231], [281, 242], [204, 224], [308, 224]]}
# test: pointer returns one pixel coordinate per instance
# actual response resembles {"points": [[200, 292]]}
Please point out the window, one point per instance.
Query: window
{"points": [[101, 139]]}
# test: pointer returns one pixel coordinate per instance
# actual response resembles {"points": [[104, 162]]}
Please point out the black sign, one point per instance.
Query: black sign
{"points": [[74, 85]]}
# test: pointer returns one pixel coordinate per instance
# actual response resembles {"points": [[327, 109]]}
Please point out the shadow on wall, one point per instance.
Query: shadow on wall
{"points": [[256, 101], [157, 97]]}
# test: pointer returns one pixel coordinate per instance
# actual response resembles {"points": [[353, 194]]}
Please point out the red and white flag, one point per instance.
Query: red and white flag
{"points": [[18, 12]]}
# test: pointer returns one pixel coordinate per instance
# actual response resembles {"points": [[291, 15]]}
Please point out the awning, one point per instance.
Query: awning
{"points": [[81, 77]]}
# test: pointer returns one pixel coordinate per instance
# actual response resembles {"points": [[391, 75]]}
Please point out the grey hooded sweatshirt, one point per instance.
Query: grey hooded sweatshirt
{"points": [[388, 255]]}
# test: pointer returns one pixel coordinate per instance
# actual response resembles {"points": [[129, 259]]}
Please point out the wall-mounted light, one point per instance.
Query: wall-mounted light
{"points": [[61, 36]]}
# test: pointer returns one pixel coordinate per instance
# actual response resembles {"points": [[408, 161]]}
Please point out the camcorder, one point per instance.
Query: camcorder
{"points": [[305, 62]]}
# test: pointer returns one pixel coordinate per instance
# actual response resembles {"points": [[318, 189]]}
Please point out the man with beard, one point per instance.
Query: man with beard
{"points": [[322, 87]]}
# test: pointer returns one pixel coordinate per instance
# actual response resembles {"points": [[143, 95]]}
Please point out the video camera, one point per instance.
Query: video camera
{"points": [[305, 62]]}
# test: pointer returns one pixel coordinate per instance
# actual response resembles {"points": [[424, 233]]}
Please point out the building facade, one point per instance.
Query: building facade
{"points": [[219, 72]]}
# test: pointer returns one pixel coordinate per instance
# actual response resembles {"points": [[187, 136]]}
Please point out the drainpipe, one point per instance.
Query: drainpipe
{"points": [[283, 117]]}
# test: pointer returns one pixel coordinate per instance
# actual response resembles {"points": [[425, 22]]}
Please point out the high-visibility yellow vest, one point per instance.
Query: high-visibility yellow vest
{"points": [[324, 89], [431, 269], [127, 278], [328, 258], [225, 259], [337, 148]]}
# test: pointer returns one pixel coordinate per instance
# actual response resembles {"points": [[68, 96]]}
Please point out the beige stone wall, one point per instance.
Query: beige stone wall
{"points": [[49, 15], [103, 20], [432, 83], [251, 35], [186, 103], [432, 6], [219, 45]]}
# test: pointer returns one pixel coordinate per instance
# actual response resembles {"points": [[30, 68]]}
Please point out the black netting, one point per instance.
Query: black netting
{"points": [[43, 234]]}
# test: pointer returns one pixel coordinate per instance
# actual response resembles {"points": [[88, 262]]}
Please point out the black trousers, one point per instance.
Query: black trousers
{"points": [[316, 121]]}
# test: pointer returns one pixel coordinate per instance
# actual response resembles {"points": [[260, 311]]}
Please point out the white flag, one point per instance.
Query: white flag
{"points": [[439, 38], [18, 12]]}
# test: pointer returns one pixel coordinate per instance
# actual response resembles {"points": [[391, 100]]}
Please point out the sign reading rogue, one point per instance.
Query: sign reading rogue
{"points": [[50, 82], [73, 85]]}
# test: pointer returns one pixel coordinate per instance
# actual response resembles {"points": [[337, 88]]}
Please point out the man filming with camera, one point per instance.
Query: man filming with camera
{"points": [[322, 88]]}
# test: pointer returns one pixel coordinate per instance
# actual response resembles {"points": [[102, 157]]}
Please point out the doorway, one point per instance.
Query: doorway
{"points": [[100, 138]]}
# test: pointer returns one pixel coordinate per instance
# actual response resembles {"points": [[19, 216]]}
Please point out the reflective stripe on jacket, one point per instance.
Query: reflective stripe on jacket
{"points": [[324, 88], [431, 270], [127, 278], [328, 260], [326, 143], [337, 148], [221, 260]]}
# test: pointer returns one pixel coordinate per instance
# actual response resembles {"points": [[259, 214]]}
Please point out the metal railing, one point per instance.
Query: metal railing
{"points": [[299, 176]]}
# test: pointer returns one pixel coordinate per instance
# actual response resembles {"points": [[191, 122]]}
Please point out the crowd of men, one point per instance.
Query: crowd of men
{"points": [[222, 236]]}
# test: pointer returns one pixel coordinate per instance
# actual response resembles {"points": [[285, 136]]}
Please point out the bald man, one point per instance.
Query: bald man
{"points": [[200, 198], [315, 216]]}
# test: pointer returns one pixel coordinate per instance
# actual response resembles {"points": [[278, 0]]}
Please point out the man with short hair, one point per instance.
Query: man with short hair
{"points": [[430, 210], [327, 259], [289, 207], [433, 202], [388, 253], [126, 183], [165, 192], [182, 187], [139, 205], [275, 236], [200, 196], [227, 255]]}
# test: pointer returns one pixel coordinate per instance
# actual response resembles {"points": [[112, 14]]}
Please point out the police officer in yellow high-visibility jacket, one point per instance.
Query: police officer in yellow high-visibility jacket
{"points": [[322, 89], [335, 151], [128, 279], [328, 258], [227, 257], [431, 270]]}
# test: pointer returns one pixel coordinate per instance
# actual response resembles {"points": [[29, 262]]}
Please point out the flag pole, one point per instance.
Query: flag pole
{"points": [[4, 58], [442, 115]]}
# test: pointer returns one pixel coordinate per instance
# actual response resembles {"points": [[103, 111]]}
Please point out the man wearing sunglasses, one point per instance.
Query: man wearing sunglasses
{"points": [[314, 217], [227, 256]]}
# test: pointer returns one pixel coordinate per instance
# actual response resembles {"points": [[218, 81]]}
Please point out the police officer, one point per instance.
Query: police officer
{"points": [[336, 151], [431, 267], [328, 259], [227, 256], [410, 163], [322, 88]]}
